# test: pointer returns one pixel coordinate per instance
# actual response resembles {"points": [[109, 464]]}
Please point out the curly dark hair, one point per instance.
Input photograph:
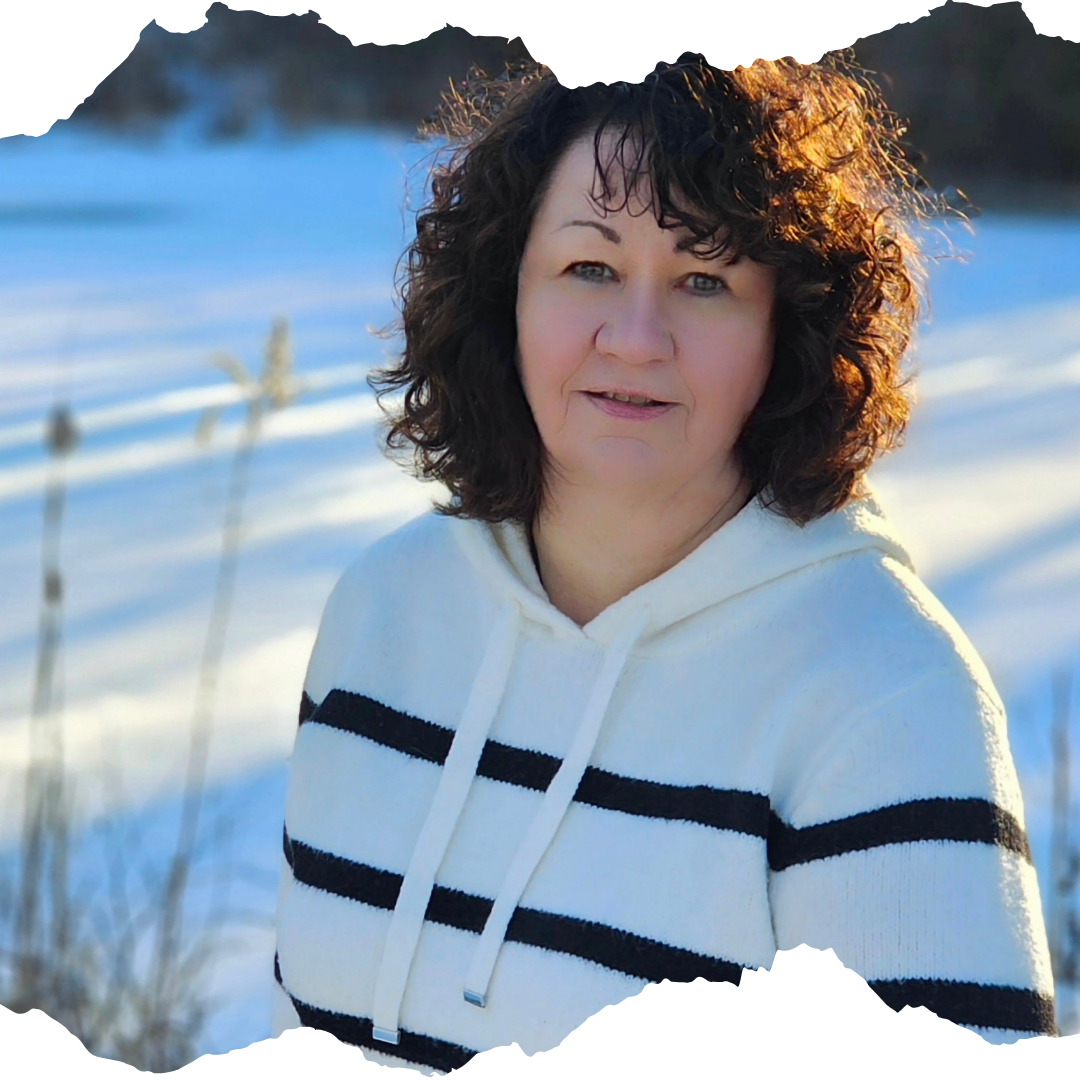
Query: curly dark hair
{"points": [[799, 166]]}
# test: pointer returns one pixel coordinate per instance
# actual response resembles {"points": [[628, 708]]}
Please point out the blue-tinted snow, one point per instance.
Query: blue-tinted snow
{"points": [[123, 268]]}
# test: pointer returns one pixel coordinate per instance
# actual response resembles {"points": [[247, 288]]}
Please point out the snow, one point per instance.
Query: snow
{"points": [[126, 267]]}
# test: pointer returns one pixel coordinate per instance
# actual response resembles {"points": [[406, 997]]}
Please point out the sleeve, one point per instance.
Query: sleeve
{"points": [[902, 847], [283, 1014], [321, 664], [334, 637]]}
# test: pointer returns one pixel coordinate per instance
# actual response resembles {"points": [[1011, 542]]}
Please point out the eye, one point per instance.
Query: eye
{"points": [[588, 271], [705, 284]]}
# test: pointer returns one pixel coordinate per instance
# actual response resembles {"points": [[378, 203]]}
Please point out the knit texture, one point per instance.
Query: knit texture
{"points": [[796, 744]]}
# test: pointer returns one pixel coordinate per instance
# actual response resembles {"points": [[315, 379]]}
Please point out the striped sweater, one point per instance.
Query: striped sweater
{"points": [[499, 822]]}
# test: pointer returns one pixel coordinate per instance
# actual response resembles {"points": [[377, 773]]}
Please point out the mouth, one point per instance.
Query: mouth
{"points": [[642, 400], [628, 406]]}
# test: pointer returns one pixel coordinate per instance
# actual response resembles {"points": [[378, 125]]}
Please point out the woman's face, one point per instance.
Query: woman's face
{"points": [[607, 304]]}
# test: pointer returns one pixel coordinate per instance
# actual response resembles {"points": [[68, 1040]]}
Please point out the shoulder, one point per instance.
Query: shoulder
{"points": [[397, 557], [900, 704], [413, 568], [882, 619], [395, 582]]}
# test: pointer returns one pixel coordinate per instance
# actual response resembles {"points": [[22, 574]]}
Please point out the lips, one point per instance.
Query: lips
{"points": [[632, 397], [627, 410]]}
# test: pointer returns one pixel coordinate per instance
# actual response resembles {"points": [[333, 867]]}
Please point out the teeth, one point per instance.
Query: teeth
{"points": [[636, 400]]}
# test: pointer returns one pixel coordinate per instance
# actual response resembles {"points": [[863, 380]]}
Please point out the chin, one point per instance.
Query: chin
{"points": [[632, 465]]}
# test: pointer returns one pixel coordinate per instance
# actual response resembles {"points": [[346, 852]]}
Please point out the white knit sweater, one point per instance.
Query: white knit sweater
{"points": [[498, 822]]}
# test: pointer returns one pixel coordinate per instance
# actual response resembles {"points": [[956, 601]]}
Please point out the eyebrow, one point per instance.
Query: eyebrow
{"points": [[609, 233], [604, 230]]}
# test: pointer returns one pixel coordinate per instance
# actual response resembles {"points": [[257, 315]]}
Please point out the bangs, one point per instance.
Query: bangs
{"points": [[665, 149]]}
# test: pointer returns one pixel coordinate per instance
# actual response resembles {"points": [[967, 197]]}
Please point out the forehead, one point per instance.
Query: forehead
{"points": [[576, 190], [577, 180]]}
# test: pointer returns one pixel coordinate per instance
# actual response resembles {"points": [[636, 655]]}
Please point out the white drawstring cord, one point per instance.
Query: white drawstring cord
{"points": [[454, 784], [548, 818]]}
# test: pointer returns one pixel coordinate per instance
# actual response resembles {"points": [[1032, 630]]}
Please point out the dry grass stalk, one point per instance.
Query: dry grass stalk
{"points": [[127, 979], [272, 389], [1063, 923]]}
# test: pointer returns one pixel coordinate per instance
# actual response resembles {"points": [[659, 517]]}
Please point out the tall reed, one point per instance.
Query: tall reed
{"points": [[272, 389], [40, 934], [1063, 916], [87, 965]]}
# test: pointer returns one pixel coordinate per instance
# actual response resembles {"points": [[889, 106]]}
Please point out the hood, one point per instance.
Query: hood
{"points": [[752, 549]]}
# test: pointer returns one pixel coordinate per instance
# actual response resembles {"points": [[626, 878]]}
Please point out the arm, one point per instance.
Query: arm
{"points": [[902, 847], [283, 1014]]}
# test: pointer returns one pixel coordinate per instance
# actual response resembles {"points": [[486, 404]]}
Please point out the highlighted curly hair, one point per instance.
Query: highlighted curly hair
{"points": [[798, 166]]}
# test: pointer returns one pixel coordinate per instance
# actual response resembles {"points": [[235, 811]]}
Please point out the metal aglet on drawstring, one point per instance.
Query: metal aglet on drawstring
{"points": [[455, 782], [552, 810]]}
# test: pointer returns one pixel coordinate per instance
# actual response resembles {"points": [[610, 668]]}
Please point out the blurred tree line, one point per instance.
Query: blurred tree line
{"points": [[993, 107], [990, 102], [241, 66]]}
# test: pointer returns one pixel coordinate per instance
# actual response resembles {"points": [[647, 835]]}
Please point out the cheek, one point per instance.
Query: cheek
{"points": [[729, 373], [552, 343]]}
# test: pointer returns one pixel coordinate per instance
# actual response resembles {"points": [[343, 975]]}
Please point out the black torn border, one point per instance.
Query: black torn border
{"points": [[809, 1003]]}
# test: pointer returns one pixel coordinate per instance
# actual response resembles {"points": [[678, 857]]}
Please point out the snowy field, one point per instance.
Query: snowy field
{"points": [[124, 269]]}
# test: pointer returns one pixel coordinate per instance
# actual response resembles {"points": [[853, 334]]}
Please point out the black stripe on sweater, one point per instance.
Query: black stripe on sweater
{"points": [[357, 1030], [965, 820], [739, 811], [976, 1004], [969, 820], [307, 707], [619, 950]]}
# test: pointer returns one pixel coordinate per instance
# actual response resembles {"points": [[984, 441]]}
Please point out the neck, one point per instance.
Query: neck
{"points": [[592, 548]]}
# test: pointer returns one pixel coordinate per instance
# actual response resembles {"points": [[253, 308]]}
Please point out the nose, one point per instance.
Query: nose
{"points": [[636, 330]]}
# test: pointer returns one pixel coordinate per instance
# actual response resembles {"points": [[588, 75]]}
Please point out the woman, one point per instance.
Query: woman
{"points": [[658, 691]]}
